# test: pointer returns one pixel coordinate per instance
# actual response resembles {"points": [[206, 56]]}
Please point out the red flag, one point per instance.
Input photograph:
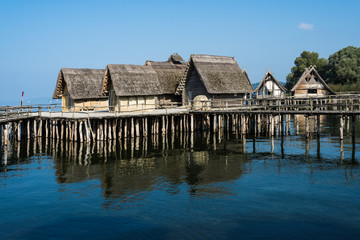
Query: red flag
{"points": [[22, 94]]}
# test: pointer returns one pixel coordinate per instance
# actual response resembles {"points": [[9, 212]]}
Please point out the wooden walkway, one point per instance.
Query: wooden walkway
{"points": [[238, 116]]}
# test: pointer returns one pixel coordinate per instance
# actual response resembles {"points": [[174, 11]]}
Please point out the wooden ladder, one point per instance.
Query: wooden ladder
{"points": [[181, 86]]}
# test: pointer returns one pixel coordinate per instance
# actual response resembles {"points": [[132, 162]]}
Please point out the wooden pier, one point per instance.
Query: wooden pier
{"points": [[270, 116]]}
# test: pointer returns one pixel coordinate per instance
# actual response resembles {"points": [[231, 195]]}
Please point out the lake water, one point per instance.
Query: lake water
{"points": [[199, 186]]}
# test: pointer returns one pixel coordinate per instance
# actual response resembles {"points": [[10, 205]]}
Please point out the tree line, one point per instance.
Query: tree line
{"points": [[341, 70]]}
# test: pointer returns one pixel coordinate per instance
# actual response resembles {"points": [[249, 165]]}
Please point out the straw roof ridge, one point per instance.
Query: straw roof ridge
{"points": [[169, 75], [306, 72], [220, 74], [175, 58], [247, 77], [82, 83], [134, 80], [268, 73]]}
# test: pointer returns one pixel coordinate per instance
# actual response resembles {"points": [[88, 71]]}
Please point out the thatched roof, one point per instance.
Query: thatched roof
{"points": [[81, 83], [307, 73], [175, 58], [270, 77], [169, 75], [219, 74], [133, 80]]}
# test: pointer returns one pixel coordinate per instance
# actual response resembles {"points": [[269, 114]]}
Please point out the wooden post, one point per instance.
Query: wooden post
{"points": [[105, 130], [307, 131], [318, 124], [61, 129], [181, 125], [137, 127], [35, 128], [57, 129], [272, 125], [214, 125], [40, 128], [145, 126], [75, 131], [67, 130], [88, 133], [101, 130], [167, 125], [172, 124], [353, 120], [341, 127], [114, 123], [6, 134], [80, 131], [120, 129], [18, 128], [109, 130], [132, 128], [126, 128], [163, 125], [2, 129], [192, 122], [97, 130], [53, 129], [27, 128]]}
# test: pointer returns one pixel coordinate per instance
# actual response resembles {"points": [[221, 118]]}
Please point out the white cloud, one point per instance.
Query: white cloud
{"points": [[306, 26]]}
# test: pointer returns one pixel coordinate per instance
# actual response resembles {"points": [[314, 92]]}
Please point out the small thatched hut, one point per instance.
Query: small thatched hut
{"points": [[131, 87], [80, 89], [169, 74], [310, 84], [216, 77], [269, 87]]}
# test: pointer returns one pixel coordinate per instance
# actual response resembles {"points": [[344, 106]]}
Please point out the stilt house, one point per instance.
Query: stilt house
{"points": [[80, 89], [169, 74], [131, 87], [215, 78], [269, 87], [310, 84]]}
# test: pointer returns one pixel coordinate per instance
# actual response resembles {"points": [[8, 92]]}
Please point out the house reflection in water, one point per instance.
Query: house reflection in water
{"points": [[173, 170]]}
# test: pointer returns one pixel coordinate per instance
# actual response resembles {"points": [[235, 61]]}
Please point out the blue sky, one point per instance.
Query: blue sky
{"points": [[37, 38]]}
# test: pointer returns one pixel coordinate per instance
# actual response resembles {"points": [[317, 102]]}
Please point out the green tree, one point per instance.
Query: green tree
{"points": [[344, 66], [305, 60]]}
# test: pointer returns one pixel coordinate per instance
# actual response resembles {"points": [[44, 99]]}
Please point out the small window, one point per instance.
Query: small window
{"points": [[312, 91]]}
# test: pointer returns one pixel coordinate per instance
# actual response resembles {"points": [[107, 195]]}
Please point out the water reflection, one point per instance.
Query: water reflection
{"points": [[194, 163]]}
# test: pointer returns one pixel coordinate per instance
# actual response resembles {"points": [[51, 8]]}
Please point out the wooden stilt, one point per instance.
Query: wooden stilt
{"points": [[341, 127], [114, 124], [137, 127], [353, 122], [101, 130], [53, 129], [109, 130], [318, 124], [181, 125], [172, 124], [81, 132], [120, 128], [145, 126], [87, 131], [307, 131], [105, 130], [27, 128], [35, 128], [272, 125], [40, 130], [75, 131], [19, 131], [132, 129], [192, 122]]}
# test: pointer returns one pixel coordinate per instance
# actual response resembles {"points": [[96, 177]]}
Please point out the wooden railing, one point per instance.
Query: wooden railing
{"points": [[339, 104], [347, 104]]}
